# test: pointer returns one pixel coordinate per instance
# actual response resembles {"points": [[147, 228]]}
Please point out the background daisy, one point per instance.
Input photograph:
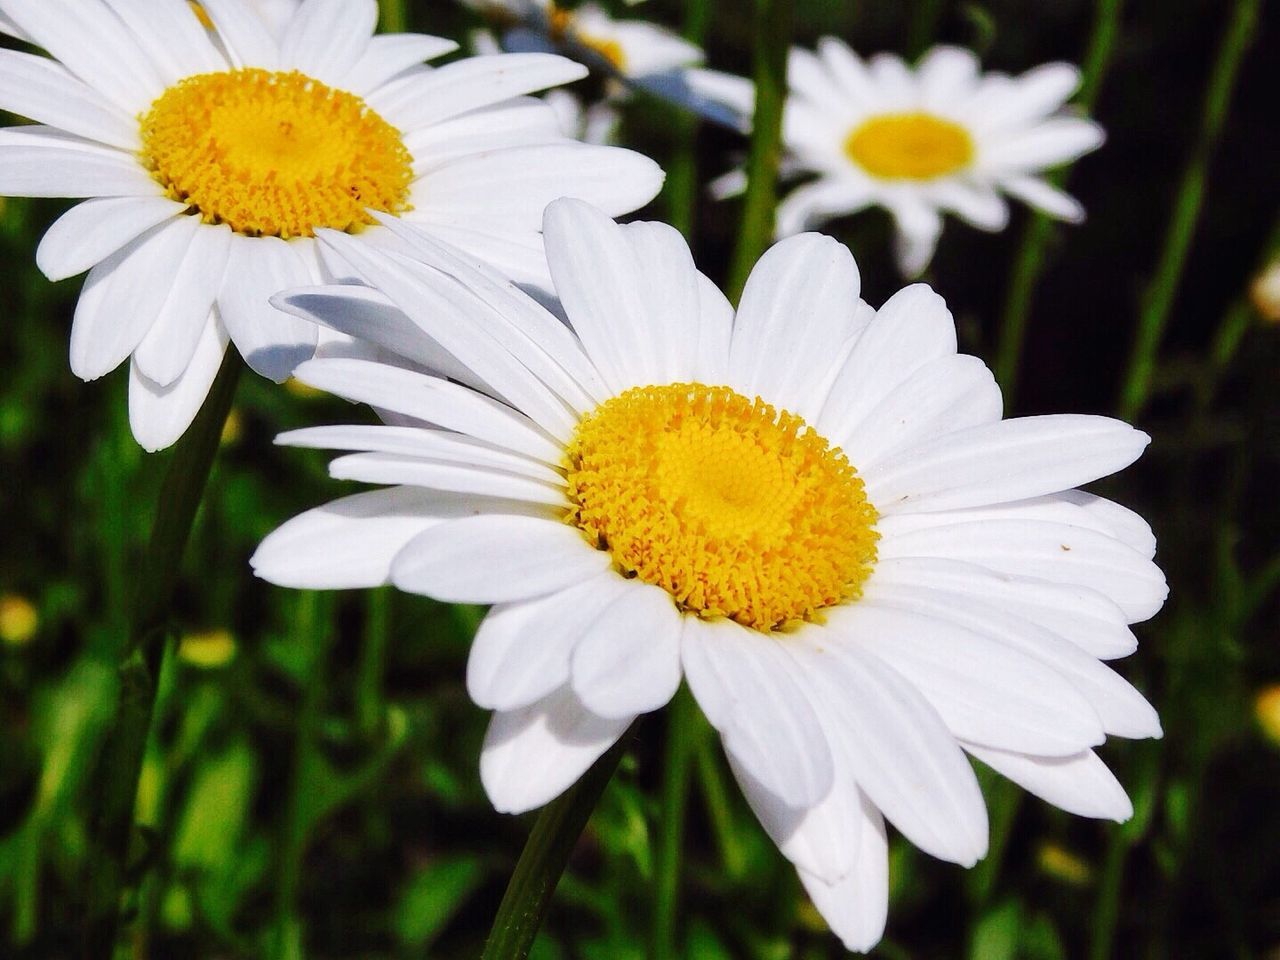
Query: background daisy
{"points": [[809, 510], [940, 137], [210, 158]]}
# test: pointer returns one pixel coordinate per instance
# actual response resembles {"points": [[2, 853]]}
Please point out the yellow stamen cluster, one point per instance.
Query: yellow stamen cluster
{"points": [[736, 509], [910, 146], [274, 154]]}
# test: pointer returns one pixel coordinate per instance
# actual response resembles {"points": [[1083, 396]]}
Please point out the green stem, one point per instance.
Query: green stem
{"points": [[373, 661], [545, 855], [1107, 914], [716, 796], [393, 16], [1039, 231], [1159, 297], [114, 787], [770, 43], [310, 628], [682, 720], [682, 173]]}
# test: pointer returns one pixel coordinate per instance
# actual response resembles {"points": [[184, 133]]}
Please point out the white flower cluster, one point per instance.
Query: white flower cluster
{"points": [[809, 510]]}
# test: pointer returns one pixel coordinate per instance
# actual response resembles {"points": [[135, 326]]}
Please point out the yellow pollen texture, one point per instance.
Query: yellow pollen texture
{"points": [[910, 146], [736, 509], [274, 154]]}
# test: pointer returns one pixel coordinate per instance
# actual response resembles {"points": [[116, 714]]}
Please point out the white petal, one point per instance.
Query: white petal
{"points": [[387, 468], [123, 296], [431, 400], [327, 38], [1120, 521], [809, 277], [1051, 551], [1048, 144], [1045, 197], [517, 183], [351, 543], [1009, 460], [986, 692], [903, 757], [913, 327], [745, 685], [160, 415], [946, 75], [1085, 617], [166, 349], [848, 70], [1033, 95], [271, 341], [248, 40], [522, 651], [424, 99], [95, 46], [38, 162], [919, 227], [174, 40], [1081, 784], [496, 559], [811, 204], [669, 298], [947, 394], [715, 332], [43, 90], [533, 755], [90, 232], [821, 839], [1122, 710], [978, 204], [857, 906], [390, 54], [629, 661]]}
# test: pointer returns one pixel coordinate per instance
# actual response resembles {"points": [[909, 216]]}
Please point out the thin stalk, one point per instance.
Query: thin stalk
{"points": [[545, 855], [770, 42], [682, 173], [716, 796], [1030, 261], [114, 787], [682, 729], [373, 662], [393, 16], [310, 627], [1107, 914], [1159, 297]]}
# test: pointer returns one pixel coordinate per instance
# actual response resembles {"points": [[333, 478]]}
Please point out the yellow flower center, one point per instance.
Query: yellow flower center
{"points": [[910, 146], [274, 154], [734, 508], [561, 27]]}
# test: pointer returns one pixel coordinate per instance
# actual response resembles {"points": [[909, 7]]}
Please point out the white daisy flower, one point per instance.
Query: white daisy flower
{"points": [[918, 142], [811, 511], [210, 157]]}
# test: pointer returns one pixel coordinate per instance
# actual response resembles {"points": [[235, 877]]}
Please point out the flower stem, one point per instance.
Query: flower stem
{"points": [[545, 855], [1157, 302], [1030, 262], [682, 730], [682, 173], [114, 786], [393, 16], [771, 42], [373, 662]]}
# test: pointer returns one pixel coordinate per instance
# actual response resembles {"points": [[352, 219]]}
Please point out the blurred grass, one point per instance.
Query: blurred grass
{"points": [[283, 816]]}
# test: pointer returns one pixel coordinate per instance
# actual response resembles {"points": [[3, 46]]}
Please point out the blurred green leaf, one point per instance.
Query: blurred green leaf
{"points": [[432, 898]]}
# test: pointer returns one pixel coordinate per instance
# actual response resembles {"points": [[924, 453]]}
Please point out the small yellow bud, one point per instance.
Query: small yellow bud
{"points": [[1267, 710], [300, 389], [208, 650], [1061, 864], [19, 620], [232, 429], [1265, 292]]}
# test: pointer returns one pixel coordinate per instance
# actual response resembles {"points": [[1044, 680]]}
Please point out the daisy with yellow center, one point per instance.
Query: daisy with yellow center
{"points": [[920, 142], [212, 141], [809, 510]]}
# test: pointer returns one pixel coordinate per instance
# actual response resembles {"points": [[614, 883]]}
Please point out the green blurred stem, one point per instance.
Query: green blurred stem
{"points": [[393, 16], [1107, 913], [1157, 302], [771, 40], [373, 662], [311, 628], [682, 172], [1030, 261], [545, 855], [716, 796], [114, 787], [682, 730]]}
